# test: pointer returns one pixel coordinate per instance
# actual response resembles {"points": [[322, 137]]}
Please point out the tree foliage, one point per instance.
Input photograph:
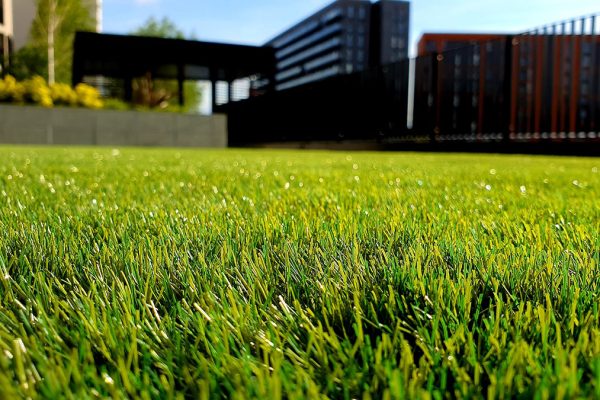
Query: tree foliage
{"points": [[52, 33], [27, 62], [164, 28]]}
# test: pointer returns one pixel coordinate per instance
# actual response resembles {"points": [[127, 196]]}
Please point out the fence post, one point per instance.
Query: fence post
{"points": [[436, 58], [594, 96], [507, 88]]}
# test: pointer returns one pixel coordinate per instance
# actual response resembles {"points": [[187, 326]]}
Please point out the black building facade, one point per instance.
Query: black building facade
{"points": [[119, 59], [345, 37]]}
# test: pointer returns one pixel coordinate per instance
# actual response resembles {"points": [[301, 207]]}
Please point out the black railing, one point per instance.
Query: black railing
{"points": [[542, 85], [462, 93], [539, 85]]}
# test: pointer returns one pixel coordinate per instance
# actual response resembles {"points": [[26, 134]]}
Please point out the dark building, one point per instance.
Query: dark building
{"points": [[542, 85], [440, 42], [345, 37]]}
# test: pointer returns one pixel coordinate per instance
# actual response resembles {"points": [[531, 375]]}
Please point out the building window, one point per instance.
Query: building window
{"points": [[350, 11], [310, 52], [349, 40], [325, 73], [308, 40], [331, 15], [288, 73], [360, 56], [362, 13], [324, 60], [294, 35], [397, 42], [584, 88]]}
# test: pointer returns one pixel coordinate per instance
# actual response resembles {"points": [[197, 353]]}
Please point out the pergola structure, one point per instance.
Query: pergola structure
{"points": [[127, 57]]}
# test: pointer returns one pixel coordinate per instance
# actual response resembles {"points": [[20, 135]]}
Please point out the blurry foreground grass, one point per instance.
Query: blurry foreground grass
{"points": [[249, 274]]}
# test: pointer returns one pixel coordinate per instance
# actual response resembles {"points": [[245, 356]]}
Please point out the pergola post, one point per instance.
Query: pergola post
{"points": [[180, 81], [213, 87], [231, 87], [128, 88]]}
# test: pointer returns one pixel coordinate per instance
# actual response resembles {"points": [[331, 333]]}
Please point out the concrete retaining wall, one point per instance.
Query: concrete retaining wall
{"points": [[74, 126]]}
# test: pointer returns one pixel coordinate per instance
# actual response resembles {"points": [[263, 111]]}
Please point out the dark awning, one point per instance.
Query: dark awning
{"points": [[119, 56]]}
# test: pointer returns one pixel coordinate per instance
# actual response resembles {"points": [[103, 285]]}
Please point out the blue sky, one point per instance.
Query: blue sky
{"points": [[256, 21]]}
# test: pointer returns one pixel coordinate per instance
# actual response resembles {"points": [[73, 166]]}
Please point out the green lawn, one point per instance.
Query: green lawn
{"points": [[269, 274]]}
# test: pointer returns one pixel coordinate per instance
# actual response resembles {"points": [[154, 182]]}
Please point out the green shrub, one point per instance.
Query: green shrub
{"points": [[120, 105], [116, 104]]}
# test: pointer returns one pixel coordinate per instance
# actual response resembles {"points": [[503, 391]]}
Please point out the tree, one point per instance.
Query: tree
{"points": [[158, 93], [53, 30], [27, 62], [164, 28]]}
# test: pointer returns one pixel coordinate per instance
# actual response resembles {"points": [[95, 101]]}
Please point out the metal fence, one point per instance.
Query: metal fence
{"points": [[539, 85]]}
